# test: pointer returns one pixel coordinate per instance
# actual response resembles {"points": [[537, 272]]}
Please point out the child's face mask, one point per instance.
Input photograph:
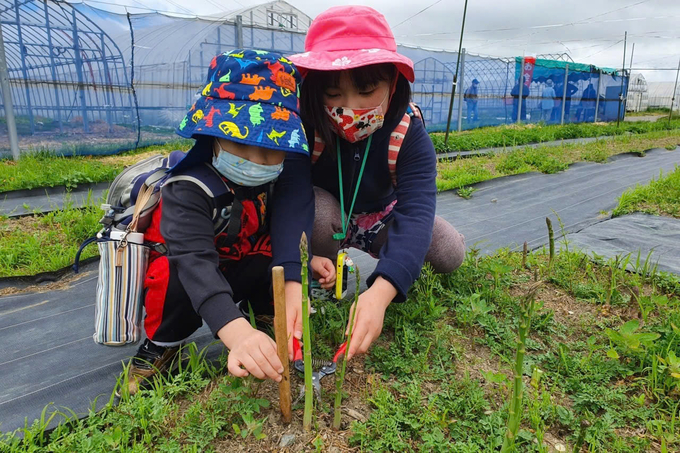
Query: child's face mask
{"points": [[244, 172], [355, 125]]}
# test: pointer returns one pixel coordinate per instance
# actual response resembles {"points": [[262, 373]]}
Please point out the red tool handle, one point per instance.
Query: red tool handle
{"points": [[341, 350], [297, 350]]}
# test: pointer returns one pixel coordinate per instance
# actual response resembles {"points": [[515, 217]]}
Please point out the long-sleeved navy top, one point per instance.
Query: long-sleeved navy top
{"points": [[409, 236]]}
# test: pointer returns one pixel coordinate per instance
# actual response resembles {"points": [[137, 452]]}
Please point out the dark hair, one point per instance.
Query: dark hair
{"points": [[316, 83]]}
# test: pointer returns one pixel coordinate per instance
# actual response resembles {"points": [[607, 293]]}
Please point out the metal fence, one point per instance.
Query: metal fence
{"points": [[85, 81]]}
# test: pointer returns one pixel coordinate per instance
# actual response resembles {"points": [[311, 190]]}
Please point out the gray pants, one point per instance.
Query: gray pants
{"points": [[446, 252]]}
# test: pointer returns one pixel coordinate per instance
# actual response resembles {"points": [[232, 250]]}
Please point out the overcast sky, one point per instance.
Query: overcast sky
{"points": [[591, 31]]}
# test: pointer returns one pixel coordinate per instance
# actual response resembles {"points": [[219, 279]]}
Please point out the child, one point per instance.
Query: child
{"points": [[355, 94], [244, 124]]}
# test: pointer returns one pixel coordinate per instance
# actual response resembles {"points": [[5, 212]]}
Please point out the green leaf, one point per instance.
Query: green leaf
{"points": [[612, 354], [629, 327]]}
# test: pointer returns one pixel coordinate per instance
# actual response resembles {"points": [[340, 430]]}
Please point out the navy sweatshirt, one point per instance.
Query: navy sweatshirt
{"points": [[409, 236]]}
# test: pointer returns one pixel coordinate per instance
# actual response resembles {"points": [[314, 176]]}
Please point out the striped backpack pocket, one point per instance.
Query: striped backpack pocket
{"points": [[120, 289], [120, 286]]}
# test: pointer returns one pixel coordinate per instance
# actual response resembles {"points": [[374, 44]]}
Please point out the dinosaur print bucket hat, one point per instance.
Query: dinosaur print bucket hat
{"points": [[250, 97], [348, 37]]}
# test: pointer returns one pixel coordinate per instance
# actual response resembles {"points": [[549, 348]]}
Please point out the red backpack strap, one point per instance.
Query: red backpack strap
{"points": [[318, 148], [396, 140]]}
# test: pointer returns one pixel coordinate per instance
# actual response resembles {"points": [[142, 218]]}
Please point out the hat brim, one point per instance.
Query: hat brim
{"points": [[267, 126], [339, 60]]}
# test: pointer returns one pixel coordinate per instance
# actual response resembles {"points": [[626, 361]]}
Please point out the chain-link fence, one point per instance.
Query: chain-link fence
{"points": [[86, 81]]}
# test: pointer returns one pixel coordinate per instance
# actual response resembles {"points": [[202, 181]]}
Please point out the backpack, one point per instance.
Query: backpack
{"points": [[133, 196], [396, 140]]}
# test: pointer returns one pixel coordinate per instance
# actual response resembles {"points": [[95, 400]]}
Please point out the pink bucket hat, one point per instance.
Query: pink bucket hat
{"points": [[347, 37]]}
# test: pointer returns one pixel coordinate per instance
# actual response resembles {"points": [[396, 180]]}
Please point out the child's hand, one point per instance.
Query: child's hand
{"points": [[324, 271], [250, 351], [369, 317]]}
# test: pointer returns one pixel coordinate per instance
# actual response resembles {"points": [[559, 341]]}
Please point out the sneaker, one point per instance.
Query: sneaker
{"points": [[150, 360]]}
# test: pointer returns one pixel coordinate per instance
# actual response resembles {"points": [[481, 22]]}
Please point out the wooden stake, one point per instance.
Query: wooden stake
{"points": [[282, 340]]}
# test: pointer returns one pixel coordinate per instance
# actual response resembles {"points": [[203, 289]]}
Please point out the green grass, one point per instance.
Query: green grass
{"points": [[605, 341], [23, 246], [513, 135], [651, 111], [43, 169], [31, 245], [660, 197], [462, 172]]}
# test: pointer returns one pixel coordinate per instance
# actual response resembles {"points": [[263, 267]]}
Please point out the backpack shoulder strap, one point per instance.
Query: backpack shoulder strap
{"points": [[319, 146], [204, 176], [396, 140], [209, 180]]}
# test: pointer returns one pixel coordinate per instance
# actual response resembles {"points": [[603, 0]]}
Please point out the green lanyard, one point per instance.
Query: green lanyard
{"points": [[345, 222]]}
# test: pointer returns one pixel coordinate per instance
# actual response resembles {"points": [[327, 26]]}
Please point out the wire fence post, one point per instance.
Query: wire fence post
{"points": [[521, 89], [564, 91], [24, 72], [675, 88], [7, 101], [461, 91], [79, 72], [630, 75], [455, 77], [50, 49], [239, 31], [107, 86], [623, 74], [597, 97]]}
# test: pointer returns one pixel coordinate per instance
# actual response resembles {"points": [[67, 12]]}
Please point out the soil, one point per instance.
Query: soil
{"points": [[60, 285], [354, 407]]}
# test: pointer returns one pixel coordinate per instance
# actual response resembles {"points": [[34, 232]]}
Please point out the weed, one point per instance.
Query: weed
{"points": [[466, 192], [460, 173], [660, 197]]}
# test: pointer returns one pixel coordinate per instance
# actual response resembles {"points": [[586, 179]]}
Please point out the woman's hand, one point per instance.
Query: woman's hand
{"points": [[250, 351], [324, 271], [369, 317]]}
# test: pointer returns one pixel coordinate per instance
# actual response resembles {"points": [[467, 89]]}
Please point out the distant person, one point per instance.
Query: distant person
{"points": [[471, 97], [557, 110], [587, 106], [547, 101], [515, 101]]}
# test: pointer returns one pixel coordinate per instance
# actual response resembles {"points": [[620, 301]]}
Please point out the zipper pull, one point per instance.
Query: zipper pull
{"points": [[357, 157]]}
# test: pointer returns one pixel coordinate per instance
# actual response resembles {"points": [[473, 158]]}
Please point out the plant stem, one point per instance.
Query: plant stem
{"points": [[337, 415], [306, 336], [581, 435], [524, 255], [551, 240], [515, 411]]}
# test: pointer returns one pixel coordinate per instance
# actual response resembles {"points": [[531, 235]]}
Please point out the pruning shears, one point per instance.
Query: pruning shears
{"points": [[325, 367]]}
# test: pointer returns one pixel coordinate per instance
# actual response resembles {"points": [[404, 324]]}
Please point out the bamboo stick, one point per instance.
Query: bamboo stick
{"points": [[282, 340]]}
